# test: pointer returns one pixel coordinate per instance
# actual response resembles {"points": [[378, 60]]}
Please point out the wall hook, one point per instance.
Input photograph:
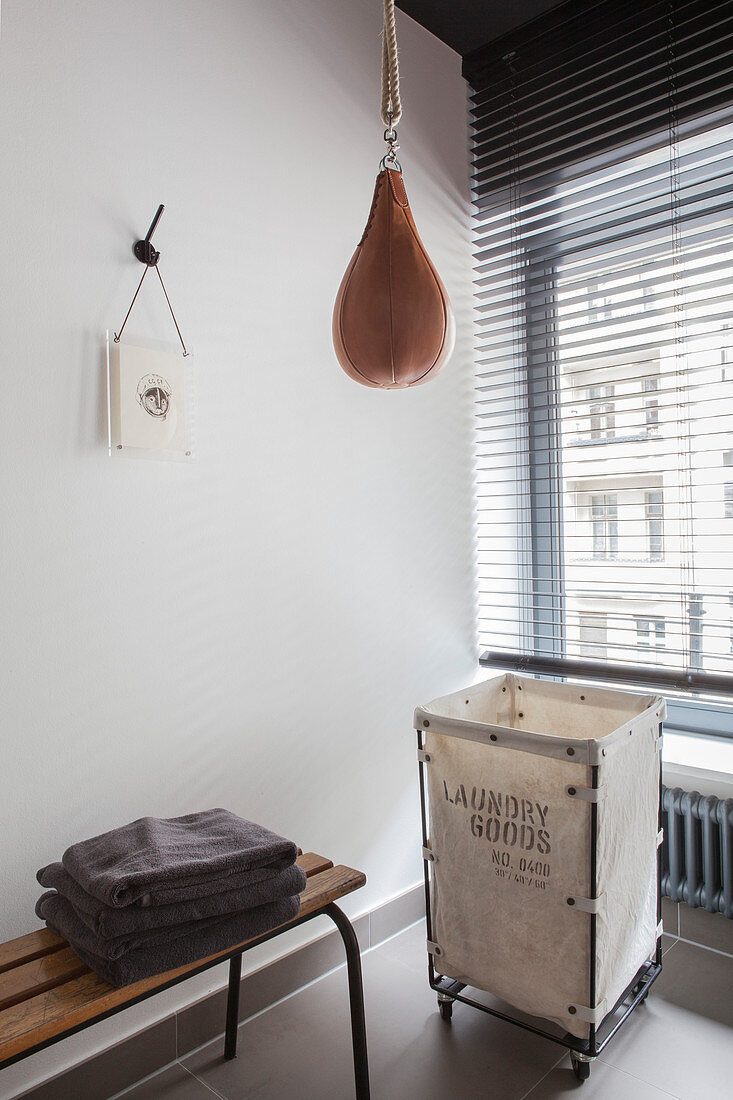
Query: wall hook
{"points": [[144, 250], [147, 255]]}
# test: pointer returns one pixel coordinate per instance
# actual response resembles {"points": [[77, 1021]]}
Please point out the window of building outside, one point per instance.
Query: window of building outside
{"points": [[651, 404], [592, 635], [651, 635], [602, 412], [653, 509], [728, 488], [604, 518]]}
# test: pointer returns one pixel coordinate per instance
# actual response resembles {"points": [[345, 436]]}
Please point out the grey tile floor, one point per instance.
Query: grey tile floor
{"points": [[679, 1043]]}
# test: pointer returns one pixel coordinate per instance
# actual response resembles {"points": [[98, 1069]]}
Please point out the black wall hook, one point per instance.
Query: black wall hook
{"points": [[144, 250], [147, 255]]}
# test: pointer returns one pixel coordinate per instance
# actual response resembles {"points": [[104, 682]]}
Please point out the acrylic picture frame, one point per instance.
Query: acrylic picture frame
{"points": [[149, 400]]}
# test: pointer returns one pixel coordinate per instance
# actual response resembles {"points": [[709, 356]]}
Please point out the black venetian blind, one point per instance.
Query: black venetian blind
{"points": [[603, 185]]}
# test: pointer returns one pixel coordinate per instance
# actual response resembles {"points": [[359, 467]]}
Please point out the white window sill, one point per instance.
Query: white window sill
{"points": [[703, 764]]}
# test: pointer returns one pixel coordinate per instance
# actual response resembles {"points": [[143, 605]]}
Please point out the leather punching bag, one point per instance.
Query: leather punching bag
{"points": [[393, 324]]}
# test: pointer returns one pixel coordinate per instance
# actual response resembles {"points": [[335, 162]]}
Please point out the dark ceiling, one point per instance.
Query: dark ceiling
{"points": [[468, 24]]}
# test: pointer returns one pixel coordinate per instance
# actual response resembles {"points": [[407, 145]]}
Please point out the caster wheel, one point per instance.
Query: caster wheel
{"points": [[580, 1069], [446, 1009]]}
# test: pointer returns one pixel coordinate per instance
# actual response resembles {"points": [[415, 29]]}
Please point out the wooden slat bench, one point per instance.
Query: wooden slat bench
{"points": [[47, 993]]}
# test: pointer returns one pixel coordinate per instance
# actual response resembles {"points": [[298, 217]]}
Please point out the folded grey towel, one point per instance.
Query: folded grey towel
{"points": [[67, 922], [153, 861], [109, 923], [173, 952]]}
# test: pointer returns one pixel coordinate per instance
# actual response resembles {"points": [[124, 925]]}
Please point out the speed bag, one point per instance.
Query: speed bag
{"points": [[393, 325]]}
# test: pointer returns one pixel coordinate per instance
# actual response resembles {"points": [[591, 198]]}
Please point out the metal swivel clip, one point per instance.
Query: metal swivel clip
{"points": [[389, 160]]}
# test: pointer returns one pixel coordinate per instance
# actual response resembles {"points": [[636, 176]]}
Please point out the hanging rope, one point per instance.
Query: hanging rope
{"points": [[391, 105]]}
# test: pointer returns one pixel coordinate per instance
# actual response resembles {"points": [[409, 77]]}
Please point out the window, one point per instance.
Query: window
{"points": [[650, 634], [604, 516], [728, 487], [592, 635], [654, 533], [603, 165], [602, 412], [651, 404]]}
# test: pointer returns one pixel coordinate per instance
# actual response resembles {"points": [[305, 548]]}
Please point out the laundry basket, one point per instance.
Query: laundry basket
{"points": [[541, 835]]}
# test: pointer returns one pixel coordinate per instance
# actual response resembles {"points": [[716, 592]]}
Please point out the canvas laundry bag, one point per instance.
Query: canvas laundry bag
{"points": [[509, 775]]}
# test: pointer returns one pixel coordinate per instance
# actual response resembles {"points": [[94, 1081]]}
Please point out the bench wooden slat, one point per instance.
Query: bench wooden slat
{"points": [[32, 946], [313, 864], [84, 998], [26, 981]]}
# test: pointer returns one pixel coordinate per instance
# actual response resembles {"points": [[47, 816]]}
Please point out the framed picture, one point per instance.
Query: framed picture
{"points": [[149, 400]]}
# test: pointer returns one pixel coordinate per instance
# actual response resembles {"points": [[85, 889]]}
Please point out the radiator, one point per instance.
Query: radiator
{"points": [[697, 850]]}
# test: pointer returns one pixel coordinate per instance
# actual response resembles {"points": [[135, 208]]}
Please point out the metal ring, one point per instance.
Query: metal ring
{"points": [[394, 164], [390, 134]]}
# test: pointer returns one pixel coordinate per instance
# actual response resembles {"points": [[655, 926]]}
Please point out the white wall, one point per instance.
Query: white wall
{"points": [[254, 629]]}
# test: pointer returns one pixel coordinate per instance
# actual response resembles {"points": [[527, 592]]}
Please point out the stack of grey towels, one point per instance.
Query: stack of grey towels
{"points": [[157, 894]]}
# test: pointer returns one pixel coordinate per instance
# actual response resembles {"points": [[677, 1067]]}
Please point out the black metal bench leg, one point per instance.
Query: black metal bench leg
{"points": [[356, 1000], [230, 1035]]}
